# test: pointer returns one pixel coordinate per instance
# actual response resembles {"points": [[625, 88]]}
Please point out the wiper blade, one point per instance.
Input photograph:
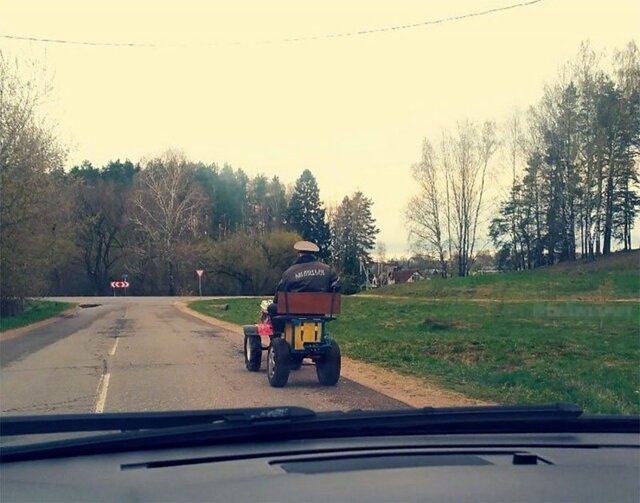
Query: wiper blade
{"points": [[294, 423], [127, 421], [196, 430]]}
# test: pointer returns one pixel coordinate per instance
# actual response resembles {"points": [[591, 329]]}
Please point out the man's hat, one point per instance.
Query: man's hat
{"points": [[306, 247]]}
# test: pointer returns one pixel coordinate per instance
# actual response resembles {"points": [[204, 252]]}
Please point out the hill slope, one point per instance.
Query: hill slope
{"points": [[616, 276]]}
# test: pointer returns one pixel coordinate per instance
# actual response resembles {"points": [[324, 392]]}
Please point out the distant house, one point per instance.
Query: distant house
{"points": [[382, 271], [486, 270], [405, 276]]}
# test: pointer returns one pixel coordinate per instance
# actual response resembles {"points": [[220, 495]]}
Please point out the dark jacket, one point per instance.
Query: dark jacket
{"points": [[307, 274]]}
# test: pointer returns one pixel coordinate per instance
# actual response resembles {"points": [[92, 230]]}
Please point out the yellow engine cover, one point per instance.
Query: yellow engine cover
{"points": [[307, 331]]}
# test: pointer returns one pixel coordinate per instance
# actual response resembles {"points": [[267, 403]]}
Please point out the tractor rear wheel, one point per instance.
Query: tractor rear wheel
{"points": [[278, 362], [328, 366]]}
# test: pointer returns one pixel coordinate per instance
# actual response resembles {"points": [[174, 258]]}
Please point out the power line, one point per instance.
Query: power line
{"points": [[283, 40]]}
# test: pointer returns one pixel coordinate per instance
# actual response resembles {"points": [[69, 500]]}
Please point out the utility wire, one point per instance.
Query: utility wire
{"points": [[283, 40]]}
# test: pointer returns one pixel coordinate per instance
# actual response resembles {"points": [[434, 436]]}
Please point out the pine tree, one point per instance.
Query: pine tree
{"points": [[354, 236], [306, 214]]}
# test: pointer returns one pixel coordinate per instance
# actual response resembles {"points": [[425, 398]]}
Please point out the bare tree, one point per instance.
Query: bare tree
{"points": [[381, 251], [168, 208], [447, 209], [101, 217], [515, 143], [466, 156], [427, 212], [515, 149]]}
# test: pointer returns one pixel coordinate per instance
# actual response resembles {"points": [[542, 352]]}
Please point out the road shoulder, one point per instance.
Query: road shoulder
{"points": [[17, 332], [412, 391]]}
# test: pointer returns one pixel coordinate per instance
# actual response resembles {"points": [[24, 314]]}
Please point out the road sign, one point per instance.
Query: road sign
{"points": [[119, 284], [200, 272]]}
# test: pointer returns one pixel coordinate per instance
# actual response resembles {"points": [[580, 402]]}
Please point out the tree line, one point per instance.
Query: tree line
{"points": [[573, 170], [72, 232]]}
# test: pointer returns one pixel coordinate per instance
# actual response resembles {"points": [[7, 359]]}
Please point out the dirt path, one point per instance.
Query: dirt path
{"points": [[413, 391]]}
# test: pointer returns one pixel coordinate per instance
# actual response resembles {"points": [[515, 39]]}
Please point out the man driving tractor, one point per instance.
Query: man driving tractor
{"points": [[307, 274], [296, 330]]}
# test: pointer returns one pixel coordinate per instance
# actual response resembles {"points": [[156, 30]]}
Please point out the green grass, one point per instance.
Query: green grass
{"points": [[35, 310], [610, 278], [578, 348]]}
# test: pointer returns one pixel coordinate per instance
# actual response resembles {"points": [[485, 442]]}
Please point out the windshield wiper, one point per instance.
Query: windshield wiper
{"points": [[127, 421], [297, 423]]}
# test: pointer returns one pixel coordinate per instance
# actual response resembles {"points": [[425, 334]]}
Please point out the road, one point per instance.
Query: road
{"points": [[143, 354]]}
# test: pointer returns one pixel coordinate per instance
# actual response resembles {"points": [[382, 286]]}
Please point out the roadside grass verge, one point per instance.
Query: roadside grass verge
{"points": [[526, 352], [35, 310]]}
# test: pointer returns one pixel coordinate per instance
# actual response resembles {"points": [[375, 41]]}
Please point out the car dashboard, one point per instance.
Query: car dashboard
{"points": [[464, 467]]}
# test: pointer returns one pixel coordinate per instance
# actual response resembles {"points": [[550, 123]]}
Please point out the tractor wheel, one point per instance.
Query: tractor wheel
{"points": [[328, 366], [296, 362], [278, 362], [252, 352]]}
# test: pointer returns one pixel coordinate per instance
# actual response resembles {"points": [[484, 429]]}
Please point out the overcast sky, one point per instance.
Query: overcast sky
{"points": [[353, 109]]}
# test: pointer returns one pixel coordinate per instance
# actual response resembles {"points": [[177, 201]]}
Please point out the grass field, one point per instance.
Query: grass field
{"points": [[611, 278], [35, 310], [513, 347]]}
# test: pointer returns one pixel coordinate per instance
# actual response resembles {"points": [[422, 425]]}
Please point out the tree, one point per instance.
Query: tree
{"points": [[257, 270], [306, 214], [354, 236], [86, 171], [444, 215], [120, 173], [276, 204], [581, 178], [626, 197], [425, 212], [515, 145], [101, 217], [266, 204], [230, 201], [33, 213], [169, 206], [381, 251]]}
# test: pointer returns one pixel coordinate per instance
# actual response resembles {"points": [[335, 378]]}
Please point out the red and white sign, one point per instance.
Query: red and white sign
{"points": [[119, 284], [199, 272]]}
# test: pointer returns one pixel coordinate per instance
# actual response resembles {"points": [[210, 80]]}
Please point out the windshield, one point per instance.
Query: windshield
{"points": [[328, 205]]}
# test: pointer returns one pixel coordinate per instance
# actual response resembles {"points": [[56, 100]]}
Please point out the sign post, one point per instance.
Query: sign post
{"points": [[200, 272], [119, 284]]}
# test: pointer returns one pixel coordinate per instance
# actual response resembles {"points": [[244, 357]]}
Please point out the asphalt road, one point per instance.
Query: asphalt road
{"points": [[143, 354]]}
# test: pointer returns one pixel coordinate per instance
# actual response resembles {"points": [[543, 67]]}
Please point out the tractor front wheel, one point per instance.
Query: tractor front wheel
{"points": [[252, 352]]}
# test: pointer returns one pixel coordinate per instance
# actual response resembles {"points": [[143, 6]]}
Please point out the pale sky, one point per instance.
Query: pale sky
{"points": [[353, 110]]}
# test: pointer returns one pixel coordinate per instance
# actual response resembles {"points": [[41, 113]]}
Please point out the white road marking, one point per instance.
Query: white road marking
{"points": [[103, 386], [113, 349]]}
